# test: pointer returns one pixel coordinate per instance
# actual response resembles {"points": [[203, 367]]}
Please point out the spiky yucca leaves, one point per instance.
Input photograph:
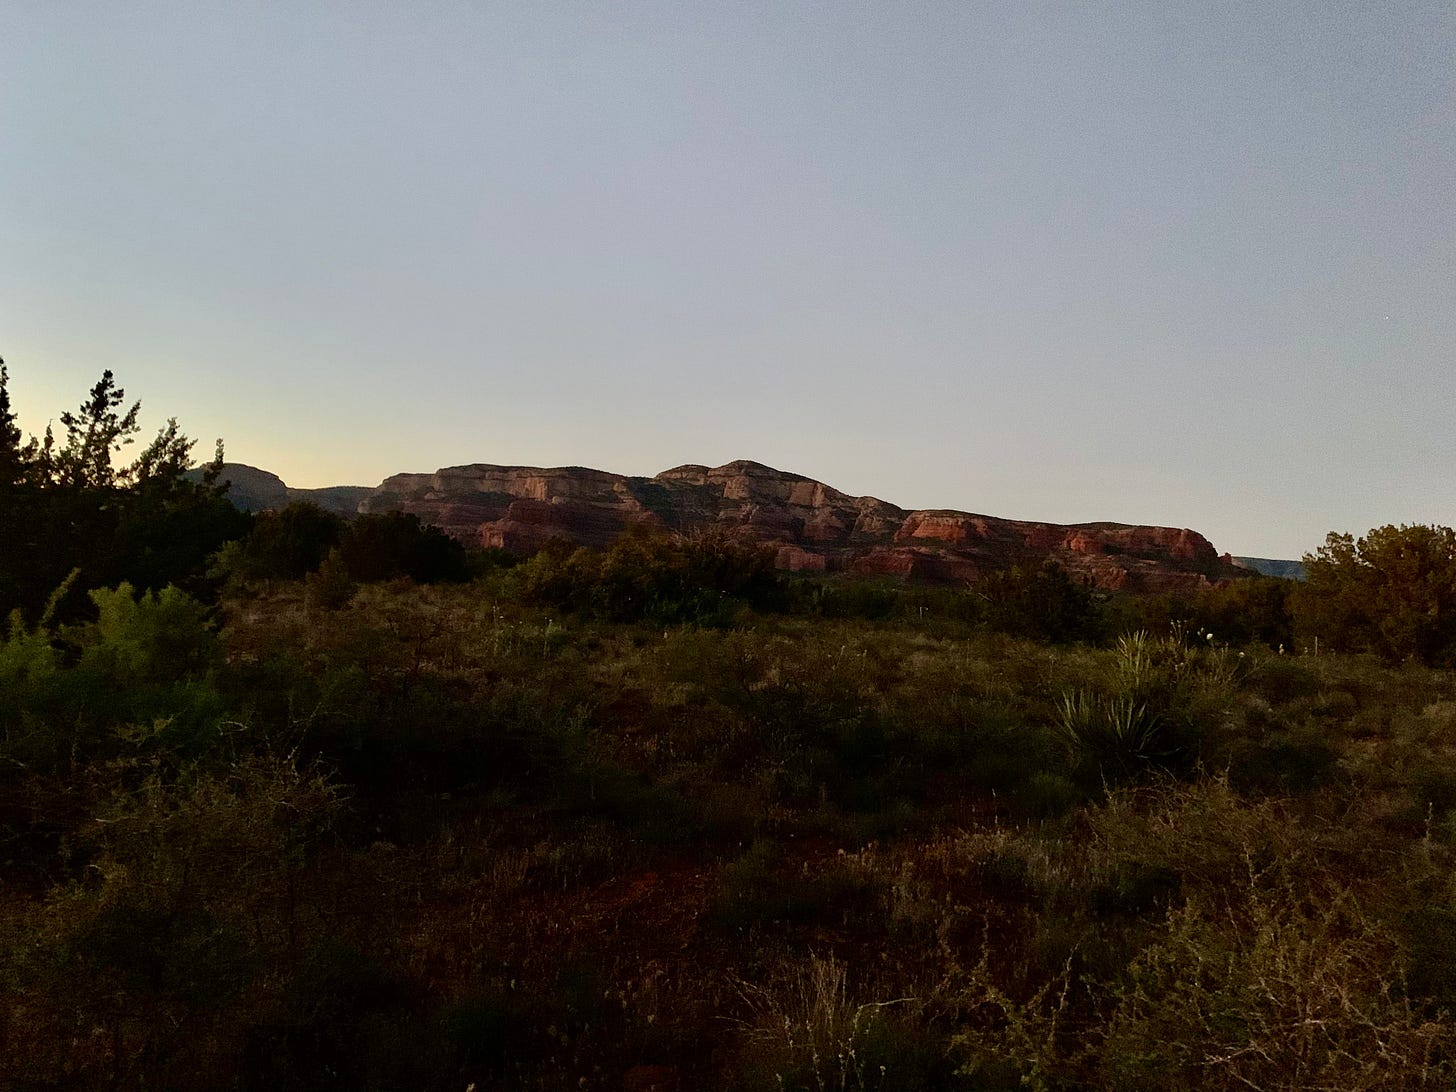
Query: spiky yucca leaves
{"points": [[1117, 735], [1149, 710]]}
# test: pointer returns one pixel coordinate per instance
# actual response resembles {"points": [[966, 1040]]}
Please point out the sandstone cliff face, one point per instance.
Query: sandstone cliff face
{"points": [[816, 527]]}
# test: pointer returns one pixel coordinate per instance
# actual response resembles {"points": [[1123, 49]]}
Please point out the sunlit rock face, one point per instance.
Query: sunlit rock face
{"points": [[815, 527]]}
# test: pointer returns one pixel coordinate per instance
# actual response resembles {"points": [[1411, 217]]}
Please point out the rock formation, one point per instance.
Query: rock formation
{"points": [[816, 527], [254, 490]]}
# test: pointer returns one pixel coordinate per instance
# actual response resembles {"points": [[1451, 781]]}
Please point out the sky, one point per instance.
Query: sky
{"points": [[1187, 264]]}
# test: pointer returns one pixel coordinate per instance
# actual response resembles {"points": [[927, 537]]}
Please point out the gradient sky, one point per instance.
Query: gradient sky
{"points": [[1177, 263]]}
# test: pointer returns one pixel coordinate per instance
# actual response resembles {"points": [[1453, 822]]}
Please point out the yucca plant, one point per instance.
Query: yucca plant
{"points": [[1118, 736], [1135, 659]]}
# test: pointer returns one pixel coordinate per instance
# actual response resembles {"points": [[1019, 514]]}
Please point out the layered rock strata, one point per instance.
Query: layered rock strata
{"points": [[815, 527]]}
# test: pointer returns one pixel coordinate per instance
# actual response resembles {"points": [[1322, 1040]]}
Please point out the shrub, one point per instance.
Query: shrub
{"points": [[1392, 592], [232, 841], [151, 639], [1247, 610], [1255, 609], [331, 587], [1116, 736], [1009, 1042], [1043, 603], [1047, 795], [381, 547], [75, 506], [1281, 679], [1278, 990], [842, 598], [1296, 760], [699, 580], [758, 889], [284, 545], [807, 1032], [140, 675]]}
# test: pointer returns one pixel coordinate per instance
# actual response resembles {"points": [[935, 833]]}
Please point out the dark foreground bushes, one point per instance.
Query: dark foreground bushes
{"points": [[703, 580], [437, 835], [301, 539]]}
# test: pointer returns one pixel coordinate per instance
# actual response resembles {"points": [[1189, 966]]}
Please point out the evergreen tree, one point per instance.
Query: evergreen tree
{"points": [[15, 456], [72, 507], [1392, 592], [164, 461], [94, 434]]}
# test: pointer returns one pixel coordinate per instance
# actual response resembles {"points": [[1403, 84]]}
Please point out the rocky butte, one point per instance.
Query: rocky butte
{"points": [[814, 526]]}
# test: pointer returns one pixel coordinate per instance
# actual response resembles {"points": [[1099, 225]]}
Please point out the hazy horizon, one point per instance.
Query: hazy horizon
{"points": [[1138, 263]]}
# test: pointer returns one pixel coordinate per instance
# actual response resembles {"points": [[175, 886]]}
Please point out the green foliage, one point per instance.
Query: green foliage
{"points": [[1298, 758], [1010, 1042], [1048, 795], [760, 889], [140, 675], [1392, 592], [16, 457], [284, 545], [1149, 711], [94, 435], [1042, 603], [1249, 610], [440, 834], [226, 838], [881, 600], [1117, 735], [1288, 992], [79, 508], [330, 586], [382, 547], [296, 540], [698, 581], [148, 639], [823, 598]]}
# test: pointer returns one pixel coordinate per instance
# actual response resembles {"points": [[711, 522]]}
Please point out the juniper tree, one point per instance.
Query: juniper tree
{"points": [[75, 506], [1392, 592], [16, 457], [98, 430]]}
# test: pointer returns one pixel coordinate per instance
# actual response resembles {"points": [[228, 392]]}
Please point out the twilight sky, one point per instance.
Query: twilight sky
{"points": [[1174, 263]]}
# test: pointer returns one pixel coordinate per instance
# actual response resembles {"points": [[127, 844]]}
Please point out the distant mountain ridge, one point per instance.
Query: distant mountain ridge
{"points": [[815, 527], [1286, 570], [255, 490]]}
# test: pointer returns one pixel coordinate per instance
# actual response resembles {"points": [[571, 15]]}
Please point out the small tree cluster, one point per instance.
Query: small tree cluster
{"points": [[1391, 592], [77, 505], [1248, 610], [1042, 602], [644, 575], [299, 540]]}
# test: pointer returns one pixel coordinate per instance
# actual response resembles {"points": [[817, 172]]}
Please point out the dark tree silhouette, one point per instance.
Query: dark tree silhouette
{"points": [[95, 434], [77, 507]]}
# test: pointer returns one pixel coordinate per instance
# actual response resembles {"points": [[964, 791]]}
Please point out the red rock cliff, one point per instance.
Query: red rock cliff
{"points": [[816, 527]]}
